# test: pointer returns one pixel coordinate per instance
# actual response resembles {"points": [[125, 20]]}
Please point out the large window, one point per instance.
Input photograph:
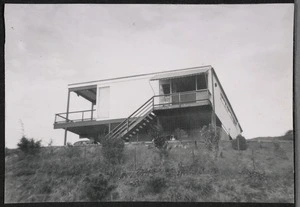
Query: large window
{"points": [[183, 84]]}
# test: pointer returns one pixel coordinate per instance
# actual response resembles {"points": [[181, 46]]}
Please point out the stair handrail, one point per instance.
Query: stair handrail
{"points": [[121, 125], [128, 121], [116, 129]]}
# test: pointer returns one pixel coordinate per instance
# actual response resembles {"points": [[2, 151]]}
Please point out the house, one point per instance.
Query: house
{"points": [[127, 107]]}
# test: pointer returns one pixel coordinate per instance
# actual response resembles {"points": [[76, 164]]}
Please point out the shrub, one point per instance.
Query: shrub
{"points": [[29, 145], [180, 134], [156, 183], [112, 150], [239, 143], [98, 187], [289, 135]]}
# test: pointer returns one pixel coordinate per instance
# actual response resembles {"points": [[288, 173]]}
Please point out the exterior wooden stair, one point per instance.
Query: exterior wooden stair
{"points": [[138, 120]]}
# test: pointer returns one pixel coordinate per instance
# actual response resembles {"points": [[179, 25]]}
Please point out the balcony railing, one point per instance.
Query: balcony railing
{"points": [[75, 116], [181, 99]]}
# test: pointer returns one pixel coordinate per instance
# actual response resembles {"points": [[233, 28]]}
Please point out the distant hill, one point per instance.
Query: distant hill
{"points": [[289, 136]]}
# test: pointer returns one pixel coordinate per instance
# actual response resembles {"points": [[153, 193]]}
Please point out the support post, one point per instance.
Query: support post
{"points": [[65, 140], [196, 83], [92, 112], [67, 117], [68, 105]]}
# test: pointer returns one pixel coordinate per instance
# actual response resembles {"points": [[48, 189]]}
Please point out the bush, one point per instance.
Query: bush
{"points": [[112, 150], [241, 141], [180, 134], [156, 183], [29, 145], [160, 142], [156, 130], [98, 187]]}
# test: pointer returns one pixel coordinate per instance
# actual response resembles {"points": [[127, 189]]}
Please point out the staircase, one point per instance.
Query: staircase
{"points": [[139, 119]]}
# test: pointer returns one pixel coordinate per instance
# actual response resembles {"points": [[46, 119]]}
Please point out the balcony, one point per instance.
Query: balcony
{"points": [[75, 116], [158, 102], [182, 99]]}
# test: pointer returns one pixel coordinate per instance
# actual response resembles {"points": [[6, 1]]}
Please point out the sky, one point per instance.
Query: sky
{"points": [[50, 46]]}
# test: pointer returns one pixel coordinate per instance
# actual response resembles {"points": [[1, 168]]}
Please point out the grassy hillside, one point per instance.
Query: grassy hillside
{"points": [[262, 173], [288, 136]]}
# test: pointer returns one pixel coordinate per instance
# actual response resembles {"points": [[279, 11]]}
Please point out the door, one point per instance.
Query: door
{"points": [[103, 102]]}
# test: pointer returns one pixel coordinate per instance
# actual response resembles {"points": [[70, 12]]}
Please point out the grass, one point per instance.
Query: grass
{"points": [[262, 173]]}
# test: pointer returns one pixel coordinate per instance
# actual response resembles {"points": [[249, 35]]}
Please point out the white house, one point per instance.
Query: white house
{"points": [[125, 107]]}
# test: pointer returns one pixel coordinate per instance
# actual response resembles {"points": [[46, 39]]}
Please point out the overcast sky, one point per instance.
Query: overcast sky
{"points": [[49, 46]]}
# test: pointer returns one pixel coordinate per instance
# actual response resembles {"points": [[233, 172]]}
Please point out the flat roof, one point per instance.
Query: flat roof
{"points": [[166, 73], [179, 74]]}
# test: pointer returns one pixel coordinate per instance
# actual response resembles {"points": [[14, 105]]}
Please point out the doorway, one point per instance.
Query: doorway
{"points": [[103, 102]]}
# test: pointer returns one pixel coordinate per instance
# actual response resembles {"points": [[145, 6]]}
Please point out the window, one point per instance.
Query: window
{"points": [[201, 81], [223, 100]]}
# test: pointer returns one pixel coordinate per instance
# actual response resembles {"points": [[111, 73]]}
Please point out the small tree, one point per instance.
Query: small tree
{"points": [[29, 145], [160, 142], [211, 137], [240, 143]]}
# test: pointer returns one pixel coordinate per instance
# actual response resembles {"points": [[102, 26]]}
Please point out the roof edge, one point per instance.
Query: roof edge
{"points": [[138, 75]]}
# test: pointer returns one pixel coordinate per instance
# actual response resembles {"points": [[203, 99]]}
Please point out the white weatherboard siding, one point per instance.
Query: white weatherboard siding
{"points": [[126, 96], [223, 112]]}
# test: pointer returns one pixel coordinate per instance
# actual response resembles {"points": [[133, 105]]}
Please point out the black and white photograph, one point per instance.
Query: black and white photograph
{"points": [[149, 102]]}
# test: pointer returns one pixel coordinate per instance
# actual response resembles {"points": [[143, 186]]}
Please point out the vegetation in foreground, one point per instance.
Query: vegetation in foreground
{"points": [[261, 173]]}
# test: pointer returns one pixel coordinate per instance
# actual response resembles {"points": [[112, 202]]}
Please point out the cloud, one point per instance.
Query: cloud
{"points": [[50, 46]]}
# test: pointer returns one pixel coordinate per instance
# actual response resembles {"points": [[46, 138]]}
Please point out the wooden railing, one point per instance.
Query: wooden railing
{"points": [[179, 99], [75, 116]]}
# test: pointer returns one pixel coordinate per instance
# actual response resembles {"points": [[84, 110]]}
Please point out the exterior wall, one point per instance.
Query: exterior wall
{"points": [[221, 110], [127, 95]]}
